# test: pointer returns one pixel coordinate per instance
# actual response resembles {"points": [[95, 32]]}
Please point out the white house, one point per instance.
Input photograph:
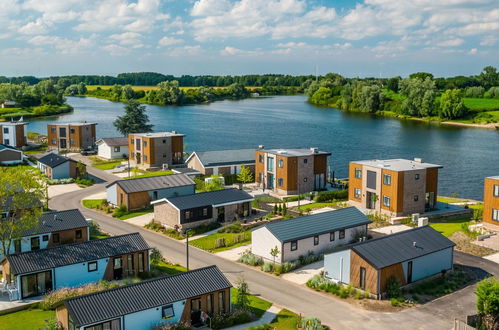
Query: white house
{"points": [[111, 148], [310, 234], [13, 134]]}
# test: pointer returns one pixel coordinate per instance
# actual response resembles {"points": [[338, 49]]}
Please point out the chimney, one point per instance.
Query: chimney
{"points": [[419, 160], [261, 146], [174, 132], [314, 150]]}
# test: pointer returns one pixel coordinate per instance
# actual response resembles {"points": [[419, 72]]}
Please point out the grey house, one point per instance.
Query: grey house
{"points": [[224, 162], [197, 209], [313, 233]]}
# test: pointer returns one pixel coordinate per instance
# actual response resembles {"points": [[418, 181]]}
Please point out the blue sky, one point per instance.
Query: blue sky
{"points": [[354, 38]]}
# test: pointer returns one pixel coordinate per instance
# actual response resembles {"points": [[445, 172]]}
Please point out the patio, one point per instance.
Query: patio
{"points": [[7, 306]]}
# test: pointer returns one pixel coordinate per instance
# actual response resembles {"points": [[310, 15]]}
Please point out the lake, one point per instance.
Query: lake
{"points": [[468, 155]]}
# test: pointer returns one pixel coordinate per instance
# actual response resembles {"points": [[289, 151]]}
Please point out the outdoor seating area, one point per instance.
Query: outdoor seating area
{"points": [[9, 289]]}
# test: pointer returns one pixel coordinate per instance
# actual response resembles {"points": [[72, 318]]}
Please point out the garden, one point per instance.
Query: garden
{"points": [[120, 213], [277, 268]]}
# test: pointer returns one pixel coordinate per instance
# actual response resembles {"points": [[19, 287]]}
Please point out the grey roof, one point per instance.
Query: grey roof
{"points": [[115, 142], [58, 220], [53, 160], [158, 134], [44, 259], [218, 197], [399, 247], [7, 147], [493, 177], [316, 224], [153, 183], [185, 170], [397, 164], [226, 157], [109, 304], [82, 123], [295, 152]]}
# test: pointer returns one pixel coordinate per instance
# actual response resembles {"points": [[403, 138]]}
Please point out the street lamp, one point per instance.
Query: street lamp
{"points": [[187, 247]]}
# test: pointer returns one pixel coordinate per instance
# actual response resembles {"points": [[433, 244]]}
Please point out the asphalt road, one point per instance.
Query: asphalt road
{"points": [[438, 314]]}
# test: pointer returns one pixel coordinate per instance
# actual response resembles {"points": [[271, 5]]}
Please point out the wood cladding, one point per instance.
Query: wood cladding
{"points": [[356, 262], [395, 191], [259, 166], [320, 164], [489, 201], [396, 271], [354, 182], [186, 315]]}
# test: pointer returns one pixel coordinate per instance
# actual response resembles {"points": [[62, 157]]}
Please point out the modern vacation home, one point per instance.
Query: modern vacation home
{"points": [[182, 298], [138, 193], [291, 171], [71, 136], [53, 229], [224, 162], [13, 134], [396, 187], [491, 200], [193, 210], [10, 155], [112, 148], [66, 266], [56, 166], [408, 256], [156, 150], [313, 233]]}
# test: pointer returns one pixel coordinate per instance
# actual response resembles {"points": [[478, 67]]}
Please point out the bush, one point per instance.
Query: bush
{"points": [[227, 320], [61, 181], [236, 227], [311, 323], [268, 267], [251, 259], [394, 302], [120, 211], [176, 326], [328, 196], [393, 287], [84, 182]]}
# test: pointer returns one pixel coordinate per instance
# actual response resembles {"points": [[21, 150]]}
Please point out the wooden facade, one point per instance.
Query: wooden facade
{"points": [[192, 304], [75, 235], [371, 277], [490, 202], [132, 201], [71, 136], [156, 149], [132, 265]]}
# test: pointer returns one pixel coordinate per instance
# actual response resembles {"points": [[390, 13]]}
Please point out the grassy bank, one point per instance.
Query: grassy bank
{"points": [[33, 112], [213, 242], [26, 319]]}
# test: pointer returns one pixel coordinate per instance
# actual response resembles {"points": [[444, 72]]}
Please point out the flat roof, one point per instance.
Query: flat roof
{"points": [[12, 123], [213, 198], [158, 134], [295, 152], [73, 124], [397, 164], [225, 157], [493, 177], [153, 183]]}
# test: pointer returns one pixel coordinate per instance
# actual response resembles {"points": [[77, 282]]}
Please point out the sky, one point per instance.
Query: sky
{"points": [[376, 38]]}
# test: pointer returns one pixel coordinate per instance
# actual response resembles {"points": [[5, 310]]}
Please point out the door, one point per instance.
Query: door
{"points": [[270, 181], [138, 157], [195, 311], [34, 285], [430, 200], [221, 214], [362, 283], [409, 272], [370, 203], [319, 181], [117, 269], [62, 144], [35, 243]]}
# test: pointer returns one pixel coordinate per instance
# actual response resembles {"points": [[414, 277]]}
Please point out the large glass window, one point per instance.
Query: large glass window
{"points": [[78, 234], [358, 173], [141, 262], [496, 190], [209, 303], [55, 238], [270, 164], [108, 325], [371, 179], [129, 264], [221, 301], [387, 179], [35, 243]]}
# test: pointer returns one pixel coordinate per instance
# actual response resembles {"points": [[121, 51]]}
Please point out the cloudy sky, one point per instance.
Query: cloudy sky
{"points": [[354, 38]]}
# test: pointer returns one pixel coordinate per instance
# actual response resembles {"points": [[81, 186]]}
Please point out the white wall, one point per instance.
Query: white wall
{"points": [[61, 171], [11, 135], [337, 266], [112, 194], [262, 241], [108, 152], [71, 276], [147, 319]]}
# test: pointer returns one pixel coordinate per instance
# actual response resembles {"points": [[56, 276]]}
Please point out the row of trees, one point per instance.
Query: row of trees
{"points": [[25, 95]]}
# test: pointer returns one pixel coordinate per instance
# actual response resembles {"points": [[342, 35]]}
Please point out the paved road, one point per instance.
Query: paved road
{"points": [[438, 314]]}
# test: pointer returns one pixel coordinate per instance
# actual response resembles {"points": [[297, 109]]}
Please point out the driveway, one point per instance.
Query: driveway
{"points": [[59, 189], [303, 274], [438, 314]]}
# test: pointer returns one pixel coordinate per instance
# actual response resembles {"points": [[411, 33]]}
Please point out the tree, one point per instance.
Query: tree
{"points": [[452, 105], [488, 77], [284, 209], [169, 93], [421, 75], [135, 119], [82, 170], [322, 96], [419, 96], [216, 182], [242, 297], [245, 175], [370, 98], [237, 91], [21, 192], [393, 84], [487, 303], [274, 252]]}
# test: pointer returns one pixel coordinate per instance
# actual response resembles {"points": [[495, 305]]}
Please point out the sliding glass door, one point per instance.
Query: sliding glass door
{"points": [[34, 285]]}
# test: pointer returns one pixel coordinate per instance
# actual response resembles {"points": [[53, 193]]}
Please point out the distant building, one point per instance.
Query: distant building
{"points": [[138, 193], [72, 136], [396, 187], [10, 155], [156, 150], [198, 209], [291, 171], [408, 256], [224, 162], [181, 298], [491, 200], [313, 233], [8, 104], [55, 166], [111, 148], [13, 134]]}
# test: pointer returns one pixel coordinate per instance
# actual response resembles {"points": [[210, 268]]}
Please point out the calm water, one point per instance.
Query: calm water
{"points": [[468, 155]]}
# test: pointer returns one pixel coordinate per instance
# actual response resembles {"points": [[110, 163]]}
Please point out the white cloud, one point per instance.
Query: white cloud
{"points": [[473, 51], [116, 50], [169, 41], [185, 51], [210, 7], [231, 51], [490, 40], [63, 45], [451, 42]]}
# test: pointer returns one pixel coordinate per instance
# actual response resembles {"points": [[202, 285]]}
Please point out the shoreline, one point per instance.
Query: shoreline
{"points": [[49, 112]]}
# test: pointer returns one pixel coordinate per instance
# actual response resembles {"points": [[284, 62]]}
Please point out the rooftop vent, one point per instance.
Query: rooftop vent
{"points": [[414, 244], [261, 146], [174, 132], [419, 160], [314, 150]]}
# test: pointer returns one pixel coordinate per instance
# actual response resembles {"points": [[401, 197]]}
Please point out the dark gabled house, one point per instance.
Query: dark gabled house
{"points": [[10, 155], [36, 272], [58, 167], [193, 210], [138, 193], [407, 256], [184, 297], [224, 162]]}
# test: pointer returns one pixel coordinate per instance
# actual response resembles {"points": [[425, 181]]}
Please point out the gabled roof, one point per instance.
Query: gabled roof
{"points": [[402, 246], [316, 224], [69, 254], [59, 220], [209, 198], [7, 147], [53, 160], [224, 157], [115, 142], [153, 183], [109, 304]]}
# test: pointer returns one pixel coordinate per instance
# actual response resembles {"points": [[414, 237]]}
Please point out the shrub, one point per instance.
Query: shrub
{"points": [[393, 287], [394, 302], [267, 267], [327, 196], [120, 211], [220, 242], [251, 259], [84, 182], [227, 320], [176, 326], [311, 323], [236, 227]]}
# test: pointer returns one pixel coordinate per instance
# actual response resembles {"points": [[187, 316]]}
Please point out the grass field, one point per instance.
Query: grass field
{"points": [[208, 242], [26, 319], [149, 174], [134, 214], [105, 164], [449, 200], [449, 227], [92, 203], [257, 305], [169, 268], [285, 320], [481, 104], [313, 206]]}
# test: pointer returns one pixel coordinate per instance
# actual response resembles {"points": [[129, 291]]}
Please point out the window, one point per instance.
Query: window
{"points": [[371, 180], [294, 245], [6, 130], [145, 143], [205, 212], [53, 130], [387, 179], [209, 303], [221, 301], [164, 141], [270, 164], [72, 142], [386, 201], [342, 234], [17, 246], [141, 262], [155, 195], [280, 182], [260, 158], [62, 131], [416, 198], [129, 264], [356, 193], [145, 157], [362, 277], [164, 155], [495, 215], [71, 130], [305, 179], [280, 163], [316, 240], [116, 149], [305, 160], [496, 190], [416, 177], [117, 263], [6, 141], [188, 215], [358, 173], [55, 238], [167, 312], [78, 234], [45, 238], [35, 243], [54, 141], [331, 236], [92, 266]]}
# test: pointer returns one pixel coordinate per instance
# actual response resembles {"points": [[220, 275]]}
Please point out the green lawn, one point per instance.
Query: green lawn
{"points": [[26, 319], [135, 214], [106, 166], [169, 268], [450, 200], [93, 203], [149, 174], [314, 206], [208, 242], [448, 227], [481, 103], [285, 320], [257, 305]]}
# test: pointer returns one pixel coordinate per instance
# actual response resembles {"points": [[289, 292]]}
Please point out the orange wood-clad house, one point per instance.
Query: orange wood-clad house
{"points": [[491, 200], [71, 136], [158, 150]]}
